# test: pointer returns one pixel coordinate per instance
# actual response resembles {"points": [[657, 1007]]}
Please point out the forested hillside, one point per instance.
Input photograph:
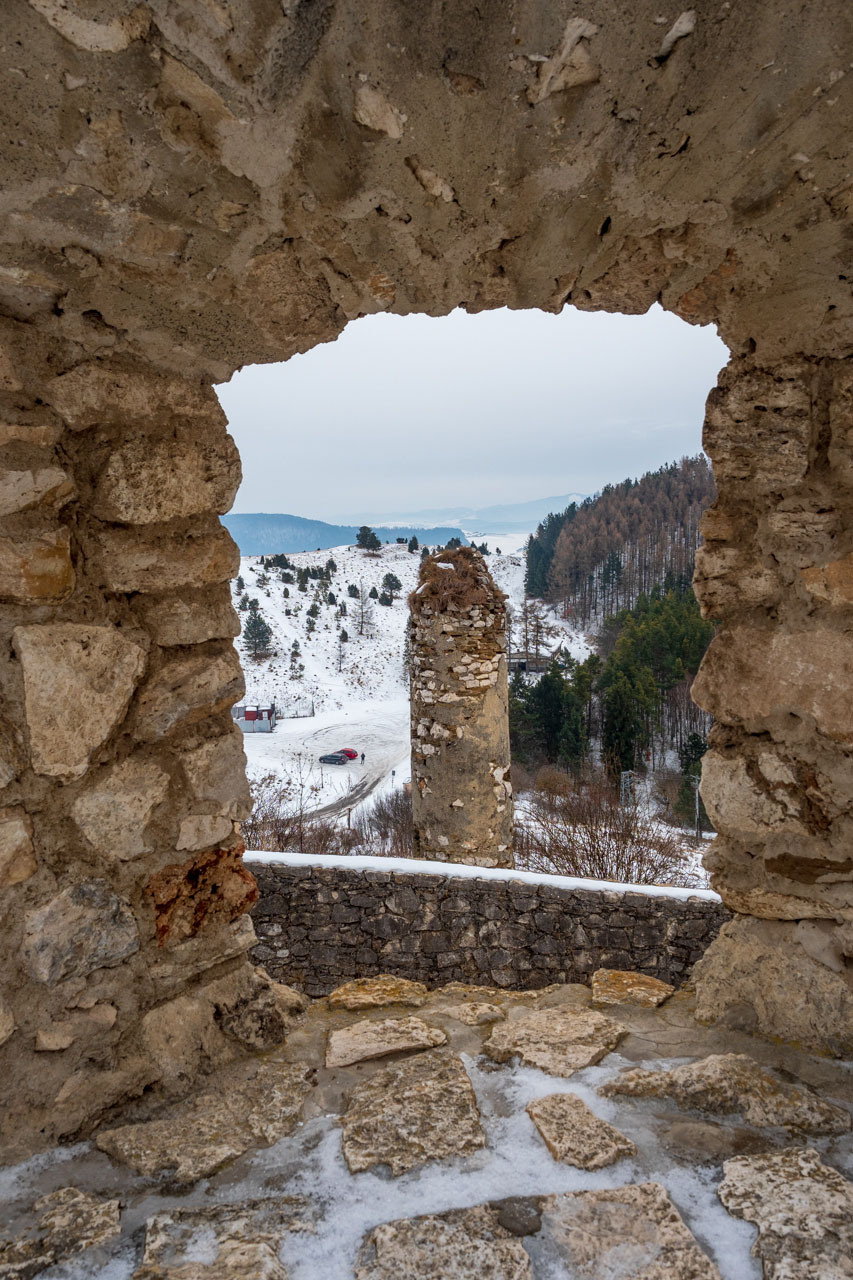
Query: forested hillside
{"points": [[599, 557], [632, 698]]}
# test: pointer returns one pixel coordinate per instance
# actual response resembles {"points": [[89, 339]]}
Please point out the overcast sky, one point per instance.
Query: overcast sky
{"points": [[410, 412]]}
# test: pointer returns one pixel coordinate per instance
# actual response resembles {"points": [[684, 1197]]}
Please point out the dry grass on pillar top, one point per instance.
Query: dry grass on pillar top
{"points": [[456, 579]]}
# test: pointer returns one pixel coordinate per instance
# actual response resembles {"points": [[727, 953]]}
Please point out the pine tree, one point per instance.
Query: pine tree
{"points": [[385, 599], [240, 584], [413, 544], [392, 583], [373, 593], [257, 634], [330, 598], [367, 539], [352, 590]]}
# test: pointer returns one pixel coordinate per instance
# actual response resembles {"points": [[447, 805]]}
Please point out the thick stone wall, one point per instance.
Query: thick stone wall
{"points": [[319, 926], [188, 188], [123, 776], [461, 792]]}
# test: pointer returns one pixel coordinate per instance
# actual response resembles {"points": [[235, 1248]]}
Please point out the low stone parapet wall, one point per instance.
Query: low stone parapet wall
{"points": [[321, 921]]}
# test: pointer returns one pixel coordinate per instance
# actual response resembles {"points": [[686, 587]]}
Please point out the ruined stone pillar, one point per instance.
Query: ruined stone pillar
{"points": [[121, 774], [461, 793], [777, 570]]}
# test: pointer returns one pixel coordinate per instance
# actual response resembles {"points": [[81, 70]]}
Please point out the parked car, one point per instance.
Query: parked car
{"points": [[336, 757], [348, 752]]}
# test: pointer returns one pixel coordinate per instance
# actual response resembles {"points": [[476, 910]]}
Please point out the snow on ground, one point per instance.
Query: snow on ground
{"points": [[358, 691], [417, 866]]}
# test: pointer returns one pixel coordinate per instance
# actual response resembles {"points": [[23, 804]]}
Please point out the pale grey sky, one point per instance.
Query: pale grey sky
{"points": [[409, 412]]}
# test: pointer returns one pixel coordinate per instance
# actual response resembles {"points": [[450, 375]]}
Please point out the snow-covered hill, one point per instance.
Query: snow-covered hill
{"points": [[358, 691]]}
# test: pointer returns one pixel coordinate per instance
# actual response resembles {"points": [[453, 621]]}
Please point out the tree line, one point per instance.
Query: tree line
{"points": [[631, 700], [599, 557]]}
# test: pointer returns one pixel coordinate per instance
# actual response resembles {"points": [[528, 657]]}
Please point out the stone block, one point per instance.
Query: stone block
{"points": [[216, 775], [84, 928], [210, 888], [17, 855], [36, 568], [146, 481], [46, 487], [190, 616], [187, 689], [758, 426], [78, 683], [112, 813], [831, 582], [129, 560], [751, 675], [757, 978], [115, 393], [201, 831], [738, 805]]}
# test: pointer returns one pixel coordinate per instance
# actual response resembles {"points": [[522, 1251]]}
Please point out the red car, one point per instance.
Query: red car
{"points": [[348, 752]]}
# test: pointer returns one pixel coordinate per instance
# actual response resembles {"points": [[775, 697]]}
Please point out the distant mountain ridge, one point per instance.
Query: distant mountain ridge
{"points": [[262, 533], [501, 518]]}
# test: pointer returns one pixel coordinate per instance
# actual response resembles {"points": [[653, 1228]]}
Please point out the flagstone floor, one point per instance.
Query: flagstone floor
{"points": [[464, 1132]]}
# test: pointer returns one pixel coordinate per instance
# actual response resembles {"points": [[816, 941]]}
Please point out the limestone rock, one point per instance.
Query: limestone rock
{"points": [[190, 616], [186, 689], [147, 481], [461, 1243], [632, 1232], [368, 1039], [575, 1135], [570, 66], [68, 1221], [211, 887], [86, 927], [55, 1038], [195, 1138], [254, 1010], [7, 1023], [732, 1083], [17, 856], [131, 559], [216, 774], [78, 682], [111, 391], [47, 487], [755, 976], [803, 1210], [420, 1109], [245, 1237], [475, 1014], [37, 568], [374, 993], [374, 111], [750, 675], [112, 813], [616, 986], [559, 1041], [832, 582], [200, 831]]}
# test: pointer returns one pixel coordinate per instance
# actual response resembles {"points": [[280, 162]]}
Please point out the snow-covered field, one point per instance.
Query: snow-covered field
{"points": [[358, 690]]}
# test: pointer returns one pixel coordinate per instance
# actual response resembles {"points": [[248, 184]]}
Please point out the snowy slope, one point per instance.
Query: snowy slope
{"points": [[358, 691]]}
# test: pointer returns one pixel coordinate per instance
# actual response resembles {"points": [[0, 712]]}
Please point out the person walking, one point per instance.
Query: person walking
{"points": [[362, 757]]}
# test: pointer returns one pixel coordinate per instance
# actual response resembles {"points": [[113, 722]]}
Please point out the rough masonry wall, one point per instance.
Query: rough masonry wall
{"points": [[318, 927], [123, 889], [777, 568], [189, 187], [461, 792]]}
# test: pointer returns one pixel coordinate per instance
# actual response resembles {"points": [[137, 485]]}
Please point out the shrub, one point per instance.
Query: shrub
{"points": [[579, 828]]}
